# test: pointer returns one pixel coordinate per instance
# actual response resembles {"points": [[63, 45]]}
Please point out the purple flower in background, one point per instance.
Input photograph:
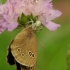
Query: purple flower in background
{"points": [[12, 9], [8, 18]]}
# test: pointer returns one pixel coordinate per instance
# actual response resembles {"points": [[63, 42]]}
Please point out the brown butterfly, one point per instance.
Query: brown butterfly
{"points": [[23, 49]]}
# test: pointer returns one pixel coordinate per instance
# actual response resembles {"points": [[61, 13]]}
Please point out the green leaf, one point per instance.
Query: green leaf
{"points": [[23, 19]]}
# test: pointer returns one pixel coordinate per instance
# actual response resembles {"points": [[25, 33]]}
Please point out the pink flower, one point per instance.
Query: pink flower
{"points": [[8, 20], [44, 10], [12, 9]]}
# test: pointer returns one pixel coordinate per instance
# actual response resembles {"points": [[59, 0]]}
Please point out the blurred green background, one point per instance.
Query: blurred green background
{"points": [[56, 43]]}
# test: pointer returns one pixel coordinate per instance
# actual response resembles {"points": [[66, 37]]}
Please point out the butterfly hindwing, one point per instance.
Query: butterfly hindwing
{"points": [[24, 47]]}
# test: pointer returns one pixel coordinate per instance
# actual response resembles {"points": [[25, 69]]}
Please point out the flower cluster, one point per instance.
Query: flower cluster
{"points": [[12, 9]]}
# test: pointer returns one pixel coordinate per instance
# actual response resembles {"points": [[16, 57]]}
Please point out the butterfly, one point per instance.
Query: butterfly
{"points": [[23, 49]]}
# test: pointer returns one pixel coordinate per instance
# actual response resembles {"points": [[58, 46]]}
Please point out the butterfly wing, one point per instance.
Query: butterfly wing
{"points": [[21, 67], [24, 47], [10, 58]]}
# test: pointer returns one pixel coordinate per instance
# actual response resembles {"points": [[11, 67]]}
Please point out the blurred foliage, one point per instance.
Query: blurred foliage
{"points": [[56, 43]]}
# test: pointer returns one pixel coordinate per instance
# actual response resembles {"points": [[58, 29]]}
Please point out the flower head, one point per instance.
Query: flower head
{"points": [[12, 9]]}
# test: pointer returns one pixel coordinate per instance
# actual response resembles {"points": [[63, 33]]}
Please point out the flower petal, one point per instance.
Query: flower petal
{"points": [[12, 26], [54, 14], [51, 25]]}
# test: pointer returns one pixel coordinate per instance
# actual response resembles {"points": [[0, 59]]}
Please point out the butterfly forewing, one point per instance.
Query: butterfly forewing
{"points": [[24, 47]]}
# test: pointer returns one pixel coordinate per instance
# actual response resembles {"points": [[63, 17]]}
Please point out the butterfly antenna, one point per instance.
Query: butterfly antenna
{"points": [[41, 43]]}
